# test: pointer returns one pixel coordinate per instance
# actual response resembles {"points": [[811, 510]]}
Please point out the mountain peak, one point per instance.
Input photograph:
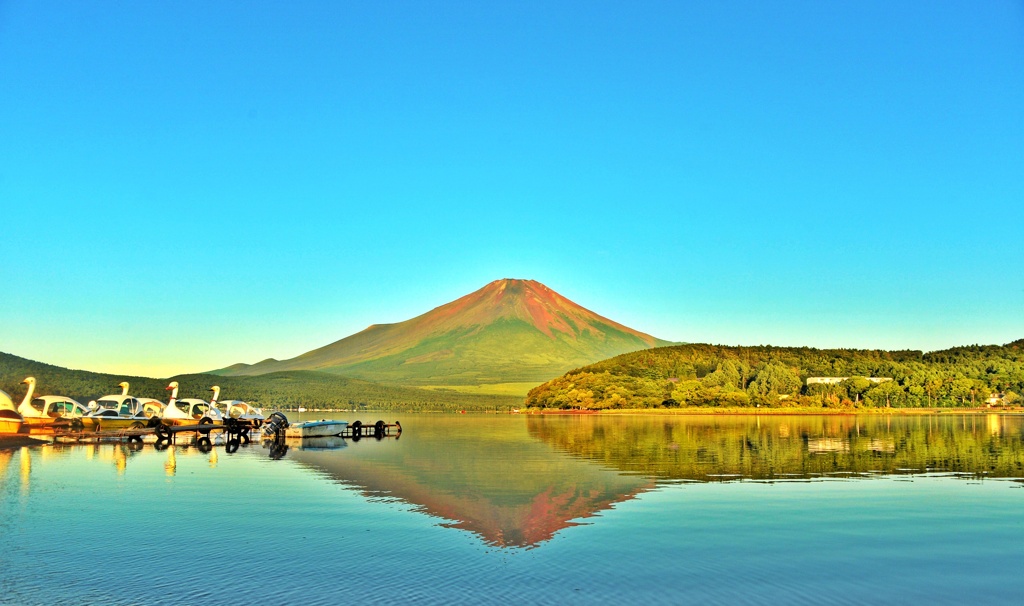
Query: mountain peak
{"points": [[531, 302], [509, 331]]}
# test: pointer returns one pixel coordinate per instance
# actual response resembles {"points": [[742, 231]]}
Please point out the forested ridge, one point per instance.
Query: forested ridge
{"points": [[278, 390], [716, 375]]}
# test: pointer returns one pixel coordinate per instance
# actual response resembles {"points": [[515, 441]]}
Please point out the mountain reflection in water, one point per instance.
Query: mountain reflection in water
{"points": [[516, 481], [715, 448], [517, 488], [485, 475], [319, 527]]}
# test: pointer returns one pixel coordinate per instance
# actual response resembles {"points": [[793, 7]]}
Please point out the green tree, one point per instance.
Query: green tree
{"points": [[774, 379]]}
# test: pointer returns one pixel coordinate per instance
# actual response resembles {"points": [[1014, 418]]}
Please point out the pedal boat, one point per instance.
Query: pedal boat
{"points": [[152, 407], [191, 411], [45, 411], [10, 418], [243, 411], [116, 412], [42, 412]]}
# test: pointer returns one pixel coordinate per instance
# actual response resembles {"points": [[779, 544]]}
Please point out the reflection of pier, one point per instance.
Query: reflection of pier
{"points": [[496, 483]]}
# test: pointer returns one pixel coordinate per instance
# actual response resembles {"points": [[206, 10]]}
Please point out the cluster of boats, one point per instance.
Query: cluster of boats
{"points": [[118, 411]]}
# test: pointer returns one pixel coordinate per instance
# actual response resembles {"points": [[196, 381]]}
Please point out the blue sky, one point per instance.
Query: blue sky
{"points": [[190, 184]]}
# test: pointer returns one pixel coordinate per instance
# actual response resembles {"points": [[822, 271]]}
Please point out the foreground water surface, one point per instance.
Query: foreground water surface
{"points": [[553, 509]]}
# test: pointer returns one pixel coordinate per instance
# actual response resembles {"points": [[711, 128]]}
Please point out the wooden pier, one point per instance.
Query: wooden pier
{"points": [[356, 430], [236, 432]]}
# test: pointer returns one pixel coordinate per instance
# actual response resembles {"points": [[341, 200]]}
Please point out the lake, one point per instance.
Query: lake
{"points": [[532, 509]]}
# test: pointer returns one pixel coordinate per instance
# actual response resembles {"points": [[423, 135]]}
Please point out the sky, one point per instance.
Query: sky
{"points": [[186, 185]]}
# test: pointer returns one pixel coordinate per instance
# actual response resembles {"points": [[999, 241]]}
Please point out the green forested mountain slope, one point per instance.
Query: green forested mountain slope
{"points": [[275, 390], [715, 375], [508, 331]]}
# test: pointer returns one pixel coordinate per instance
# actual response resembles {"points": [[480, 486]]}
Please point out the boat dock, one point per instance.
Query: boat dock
{"points": [[235, 433]]}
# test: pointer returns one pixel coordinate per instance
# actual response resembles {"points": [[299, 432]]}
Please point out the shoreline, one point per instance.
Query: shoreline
{"points": [[778, 411]]}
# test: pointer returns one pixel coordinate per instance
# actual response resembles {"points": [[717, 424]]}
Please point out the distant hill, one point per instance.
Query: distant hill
{"points": [[508, 332], [275, 390], [715, 375]]}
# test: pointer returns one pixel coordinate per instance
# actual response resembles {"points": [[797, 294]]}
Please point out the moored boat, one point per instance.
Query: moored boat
{"points": [[10, 418], [54, 409], [151, 407], [315, 429], [243, 411], [116, 412], [189, 411], [198, 409], [42, 411]]}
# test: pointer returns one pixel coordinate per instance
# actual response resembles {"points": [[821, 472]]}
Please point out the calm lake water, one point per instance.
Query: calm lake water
{"points": [[556, 509]]}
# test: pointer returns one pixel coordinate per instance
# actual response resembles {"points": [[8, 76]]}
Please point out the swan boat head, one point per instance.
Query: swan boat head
{"points": [[25, 408]]}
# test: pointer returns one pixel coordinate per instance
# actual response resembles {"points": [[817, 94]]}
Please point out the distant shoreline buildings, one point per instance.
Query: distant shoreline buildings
{"points": [[838, 380]]}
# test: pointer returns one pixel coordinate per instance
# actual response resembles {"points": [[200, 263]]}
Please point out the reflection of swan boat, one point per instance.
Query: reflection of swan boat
{"points": [[116, 412], [10, 418], [315, 429]]}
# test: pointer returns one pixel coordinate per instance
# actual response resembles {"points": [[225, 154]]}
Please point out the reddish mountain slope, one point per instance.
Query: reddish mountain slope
{"points": [[508, 331]]}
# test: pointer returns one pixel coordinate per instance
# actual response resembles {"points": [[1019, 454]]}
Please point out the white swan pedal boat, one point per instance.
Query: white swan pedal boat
{"points": [[120, 411], [10, 418], [242, 411], [189, 411], [315, 429], [42, 412]]}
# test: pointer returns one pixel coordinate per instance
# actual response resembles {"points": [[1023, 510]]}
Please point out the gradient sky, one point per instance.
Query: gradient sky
{"points": [[186, 185]]}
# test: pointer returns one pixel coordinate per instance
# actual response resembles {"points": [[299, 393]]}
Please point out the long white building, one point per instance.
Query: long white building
{"points": [[836, 380]]}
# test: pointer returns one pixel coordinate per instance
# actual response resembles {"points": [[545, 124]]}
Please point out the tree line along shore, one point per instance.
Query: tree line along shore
{"points": [[739, 378], [682, 377]]}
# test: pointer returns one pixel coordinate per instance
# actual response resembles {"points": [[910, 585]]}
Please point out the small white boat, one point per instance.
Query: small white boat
{"points": [[315, 429]]}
